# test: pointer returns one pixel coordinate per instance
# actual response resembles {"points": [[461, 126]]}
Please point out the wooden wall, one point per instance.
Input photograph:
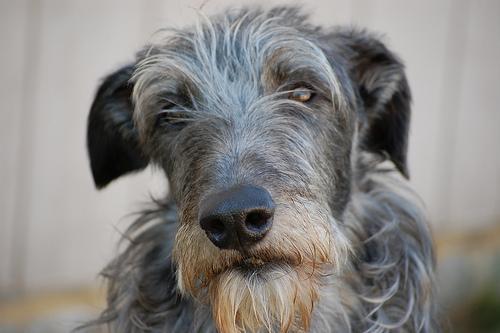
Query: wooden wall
{"points": [[57, 231]]}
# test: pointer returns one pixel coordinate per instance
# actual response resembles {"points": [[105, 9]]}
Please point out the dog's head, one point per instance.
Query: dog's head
{"points": [[258, 120]]}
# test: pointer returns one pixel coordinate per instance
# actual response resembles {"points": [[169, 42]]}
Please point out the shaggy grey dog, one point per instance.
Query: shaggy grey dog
{"points": [[289, 211]]}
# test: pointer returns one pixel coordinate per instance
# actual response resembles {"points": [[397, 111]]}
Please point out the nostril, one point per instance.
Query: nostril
{"points": [[215, 228], [258, 221]]}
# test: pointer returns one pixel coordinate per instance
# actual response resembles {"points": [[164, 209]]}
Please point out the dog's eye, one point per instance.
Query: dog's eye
{"points": [[301, 94], [171, 116]]}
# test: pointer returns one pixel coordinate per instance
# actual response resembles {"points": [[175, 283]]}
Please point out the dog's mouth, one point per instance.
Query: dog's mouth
{"points": [[256, 265], [252, 263]]}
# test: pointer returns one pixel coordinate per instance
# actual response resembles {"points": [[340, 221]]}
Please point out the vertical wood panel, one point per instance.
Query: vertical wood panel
{"points": [[69, 233], [362, 13], [453, 69], [329, 13], [475, 168], [13, 21]]}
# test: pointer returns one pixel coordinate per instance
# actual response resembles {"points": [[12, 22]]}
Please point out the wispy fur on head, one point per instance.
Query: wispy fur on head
{"points": [[349, 249]]}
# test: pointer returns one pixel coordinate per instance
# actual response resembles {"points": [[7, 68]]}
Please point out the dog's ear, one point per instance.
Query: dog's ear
{"points": [[112, 139], [379, 77]]}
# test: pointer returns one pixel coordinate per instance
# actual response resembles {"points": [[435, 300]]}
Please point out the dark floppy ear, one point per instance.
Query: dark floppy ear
{"points": [[382, 86], [112, 139]]}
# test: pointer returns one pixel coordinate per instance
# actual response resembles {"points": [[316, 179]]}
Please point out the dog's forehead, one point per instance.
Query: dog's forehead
{"points": [[223, 65], [240, 54]]}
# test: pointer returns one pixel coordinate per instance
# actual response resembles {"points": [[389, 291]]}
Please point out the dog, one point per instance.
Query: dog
{"points": [[289, 207]]}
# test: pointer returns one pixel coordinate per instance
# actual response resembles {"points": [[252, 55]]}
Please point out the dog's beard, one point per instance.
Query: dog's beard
{"points": [[275, 299], [272, 288], [255, 295]]}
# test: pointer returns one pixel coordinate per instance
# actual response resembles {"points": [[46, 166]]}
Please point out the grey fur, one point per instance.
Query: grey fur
{"points": [[342, 157]]}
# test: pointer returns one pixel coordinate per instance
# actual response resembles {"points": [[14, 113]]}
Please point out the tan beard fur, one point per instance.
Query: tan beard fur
{"points": [[279, 300]]}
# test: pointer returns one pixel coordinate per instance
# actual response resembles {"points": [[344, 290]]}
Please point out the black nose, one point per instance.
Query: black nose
{"points": [[237, 218]]}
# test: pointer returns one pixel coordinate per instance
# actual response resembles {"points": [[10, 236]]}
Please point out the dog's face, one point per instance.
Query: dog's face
{"points": [[257, 120]]}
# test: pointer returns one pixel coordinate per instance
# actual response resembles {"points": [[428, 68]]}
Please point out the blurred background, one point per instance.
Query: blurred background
{"points": [[57, 231]]}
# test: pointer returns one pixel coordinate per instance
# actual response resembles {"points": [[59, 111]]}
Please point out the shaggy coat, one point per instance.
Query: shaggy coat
{"points": [[214, 106]]}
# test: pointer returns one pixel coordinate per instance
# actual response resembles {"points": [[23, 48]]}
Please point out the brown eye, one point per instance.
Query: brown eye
{"points": [[169, 117], [301, 95]]}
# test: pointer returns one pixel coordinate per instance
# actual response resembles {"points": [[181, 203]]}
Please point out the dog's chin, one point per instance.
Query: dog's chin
{"points": [[255, 295]]}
